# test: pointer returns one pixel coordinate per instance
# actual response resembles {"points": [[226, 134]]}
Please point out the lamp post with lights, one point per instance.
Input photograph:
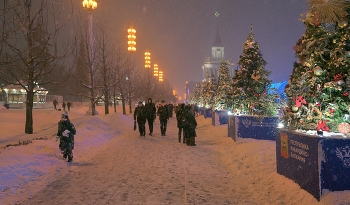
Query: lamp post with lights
{"points": [[131, 49], [148, 67], [155, 74], [89, 6]]}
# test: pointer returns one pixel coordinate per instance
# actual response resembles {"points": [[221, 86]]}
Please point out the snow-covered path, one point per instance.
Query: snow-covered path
{"points": [[113, 165]]}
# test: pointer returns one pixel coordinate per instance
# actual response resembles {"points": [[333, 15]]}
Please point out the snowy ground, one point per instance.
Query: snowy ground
{"points": [[113, 165]]}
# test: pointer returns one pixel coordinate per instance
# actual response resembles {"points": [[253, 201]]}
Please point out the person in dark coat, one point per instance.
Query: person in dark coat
{"points": [[55, 103], [179, 117], [189, 125], [140, 118], [64, 106], [150, 110], [163, 117], [66, 132], [170, 109], [69, 104]]}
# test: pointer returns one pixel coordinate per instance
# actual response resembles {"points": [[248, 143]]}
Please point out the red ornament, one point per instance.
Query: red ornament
{"points": [[338, 77], [299, 101], [322, 125], [345, 93]]}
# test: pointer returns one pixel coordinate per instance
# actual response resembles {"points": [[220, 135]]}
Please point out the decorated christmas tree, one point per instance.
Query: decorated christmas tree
{"points": [[223, 93], [251, 81], [319, 86], [205, 92], [196, 95]]}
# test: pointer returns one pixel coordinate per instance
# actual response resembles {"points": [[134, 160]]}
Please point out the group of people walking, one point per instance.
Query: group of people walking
{"points": [[185, 117], [55, 104]]}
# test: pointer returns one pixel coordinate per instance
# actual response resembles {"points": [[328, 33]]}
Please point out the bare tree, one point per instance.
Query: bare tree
{"points": [[121, 70], [85, 73], [105, 64], [29, 46]]}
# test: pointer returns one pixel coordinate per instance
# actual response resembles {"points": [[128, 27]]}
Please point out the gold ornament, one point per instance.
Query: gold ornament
{"points": [[342, 24], [318, 71]]}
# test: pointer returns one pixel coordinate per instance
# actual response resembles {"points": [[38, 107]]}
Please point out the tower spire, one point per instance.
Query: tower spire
{"points": [[217, 38]]}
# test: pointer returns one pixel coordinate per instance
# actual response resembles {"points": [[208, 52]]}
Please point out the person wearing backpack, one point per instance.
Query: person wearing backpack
{"points": [[189, 126], [140, 117], [180, 117]]}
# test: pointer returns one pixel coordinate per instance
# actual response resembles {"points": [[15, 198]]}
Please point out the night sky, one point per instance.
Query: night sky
{"points": [[180, 33]]}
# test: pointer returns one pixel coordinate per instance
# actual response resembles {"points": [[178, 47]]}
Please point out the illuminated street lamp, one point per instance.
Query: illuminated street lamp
{"points": [[89, 6], [160, 76], [155, 74], [155, 70], [147, 60], [131, 40], [131, 49]]}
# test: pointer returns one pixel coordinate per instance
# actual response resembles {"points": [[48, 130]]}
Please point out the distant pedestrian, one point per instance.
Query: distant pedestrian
{"points": [[64, 106], [163, 117], [150, 110], [69, 104], [180, 117], [189, 125], [196, 110], [140, 118], [170, 109], [55, 103]]}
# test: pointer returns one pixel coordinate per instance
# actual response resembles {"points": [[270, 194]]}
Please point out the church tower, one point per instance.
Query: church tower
{"points": [[212, 64]]}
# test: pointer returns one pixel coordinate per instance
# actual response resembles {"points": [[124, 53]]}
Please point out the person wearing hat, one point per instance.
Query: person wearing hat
{"points": [[65, 133], [163, 117], [140, 118]]}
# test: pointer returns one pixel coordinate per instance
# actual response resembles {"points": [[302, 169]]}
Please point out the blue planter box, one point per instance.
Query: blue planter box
{"points": [[315, 163], [208, 113], [246, 126], [221, 116], [201, 110]]}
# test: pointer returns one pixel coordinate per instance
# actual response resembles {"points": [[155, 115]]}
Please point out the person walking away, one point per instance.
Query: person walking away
{"points": [[189, 126], [64, 106], [163, 117], [170, 109], [69, 104], [150, 110], [140, 118], [55, 103], [65, 133], [179, 117], [196, 110]]}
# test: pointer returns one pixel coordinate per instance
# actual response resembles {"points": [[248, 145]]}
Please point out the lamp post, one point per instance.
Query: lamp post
{"points": [[131, 49], [148, 67], [160, 76], [155, 74], [89, 6]]}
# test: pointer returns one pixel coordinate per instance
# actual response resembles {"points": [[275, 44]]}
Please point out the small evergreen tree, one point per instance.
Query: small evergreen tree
{"points": [[205, 94], [223, 93]]}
